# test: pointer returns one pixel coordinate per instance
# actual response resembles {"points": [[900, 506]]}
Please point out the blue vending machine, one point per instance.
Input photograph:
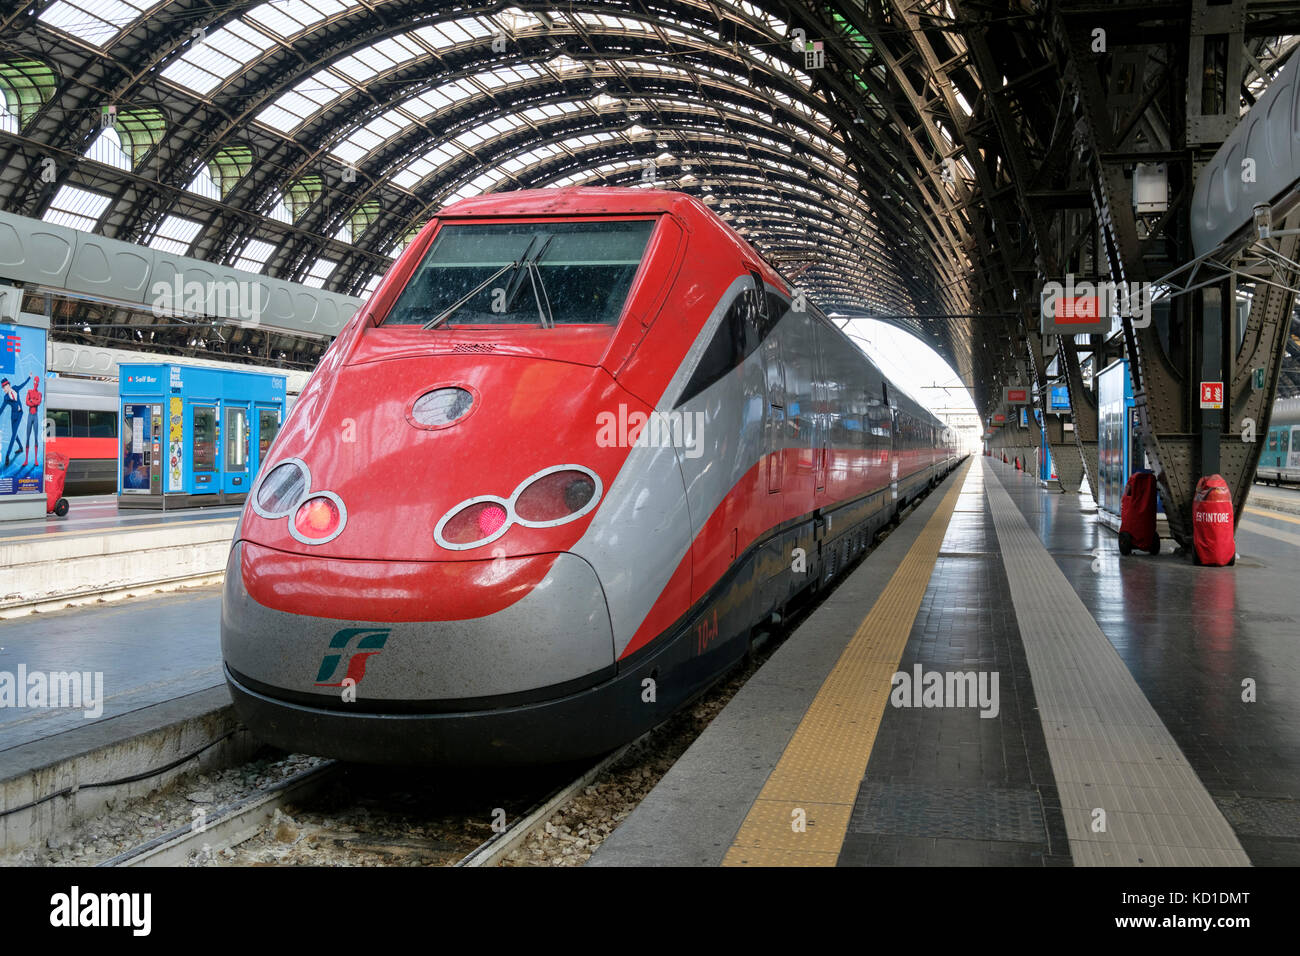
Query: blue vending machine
{"points": [[194, 436]]}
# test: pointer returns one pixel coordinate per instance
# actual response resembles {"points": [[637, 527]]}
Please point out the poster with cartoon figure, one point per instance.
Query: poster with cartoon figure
{"points": [[22, 410], [175, 449]]}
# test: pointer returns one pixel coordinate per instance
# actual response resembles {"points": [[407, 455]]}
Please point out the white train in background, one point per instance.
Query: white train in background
{"points": [[1279, 455]]}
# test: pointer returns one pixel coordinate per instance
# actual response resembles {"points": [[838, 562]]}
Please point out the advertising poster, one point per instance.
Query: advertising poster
{"points": [[22, 410], [174, 452]]}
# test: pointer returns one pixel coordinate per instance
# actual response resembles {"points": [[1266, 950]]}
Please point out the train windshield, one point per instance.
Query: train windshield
{"points": [[540, 273]]}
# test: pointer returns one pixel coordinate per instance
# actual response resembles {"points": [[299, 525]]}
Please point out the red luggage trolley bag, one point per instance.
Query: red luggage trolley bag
{"points": [[1137, 514], [56, 473], [1212, 523]]}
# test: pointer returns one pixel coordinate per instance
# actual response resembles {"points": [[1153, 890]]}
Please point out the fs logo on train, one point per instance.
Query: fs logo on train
{"points": [[369, 643]]}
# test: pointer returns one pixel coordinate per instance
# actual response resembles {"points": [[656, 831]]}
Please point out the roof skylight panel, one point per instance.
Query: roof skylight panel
{"points": [[107, 148], [464, 192], [452, 32], [459, 90], [204, 185], [279, 211], [95, 21], [470, 138], [205, 66], [292, 108], [350, 151], [288, 18], [372, 285], [408, 177], [175, 234], [78, 208], [319, 272]]}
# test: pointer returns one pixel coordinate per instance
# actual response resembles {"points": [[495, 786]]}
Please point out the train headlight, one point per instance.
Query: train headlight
{"points": [[550, 497], [557, 496], [282, 489], [318, 519], [441, 407]]}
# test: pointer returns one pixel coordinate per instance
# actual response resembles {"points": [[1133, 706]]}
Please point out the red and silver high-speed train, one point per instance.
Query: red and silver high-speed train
{"points": [[541, 489]]}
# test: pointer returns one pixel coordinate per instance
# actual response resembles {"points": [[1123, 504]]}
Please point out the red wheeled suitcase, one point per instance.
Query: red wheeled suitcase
{"points": [[1137, 514], [1212, 520]]}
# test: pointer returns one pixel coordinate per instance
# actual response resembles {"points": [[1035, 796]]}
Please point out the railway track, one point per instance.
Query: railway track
{"points": [[230, 827]]}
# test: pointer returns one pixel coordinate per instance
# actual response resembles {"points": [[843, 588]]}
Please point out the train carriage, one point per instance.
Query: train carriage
{"points": [[1279, 457], [544, 486]]}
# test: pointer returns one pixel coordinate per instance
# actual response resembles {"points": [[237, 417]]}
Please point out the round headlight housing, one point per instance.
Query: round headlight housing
{"points": [[555, 496], [282, 489], [318, 519], [476, 524]]}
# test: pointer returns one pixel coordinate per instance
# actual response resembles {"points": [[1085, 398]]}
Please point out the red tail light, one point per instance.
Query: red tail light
{"points": [[475, 523], [490, 519], [317, 518]]}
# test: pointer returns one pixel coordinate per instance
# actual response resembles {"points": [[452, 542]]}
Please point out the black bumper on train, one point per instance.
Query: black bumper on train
{"points": [[576, 726]]}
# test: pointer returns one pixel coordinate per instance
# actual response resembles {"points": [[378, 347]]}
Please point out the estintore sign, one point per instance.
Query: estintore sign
{"points": [[1211, 395]]}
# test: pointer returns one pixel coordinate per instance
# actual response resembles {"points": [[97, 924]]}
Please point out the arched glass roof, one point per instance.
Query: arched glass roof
{"points": [[309, 139]]}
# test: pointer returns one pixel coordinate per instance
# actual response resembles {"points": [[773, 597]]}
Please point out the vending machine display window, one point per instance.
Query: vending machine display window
{"points": [[205, 438]]}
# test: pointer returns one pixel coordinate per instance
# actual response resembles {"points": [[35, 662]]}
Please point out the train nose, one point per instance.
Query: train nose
{"points": [[300, 627]]}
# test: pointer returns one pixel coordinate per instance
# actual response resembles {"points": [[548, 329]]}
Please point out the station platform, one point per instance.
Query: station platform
{"points": [[97, 551], [149, 650], [98, 514], [995, 685]]}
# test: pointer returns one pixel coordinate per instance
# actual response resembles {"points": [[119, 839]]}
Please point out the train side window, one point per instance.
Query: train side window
{"points": [[1282, 441], [102, 424], [776, 311], [62, 418], [736, 338], [80, 423], [1272, 440]]}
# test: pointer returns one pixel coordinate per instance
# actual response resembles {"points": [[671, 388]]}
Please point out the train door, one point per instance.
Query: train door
{"points": [[1289, 456], [204, 463], [234, 477], [893, 444], [267, 425], [820, 410], [774, 423]]}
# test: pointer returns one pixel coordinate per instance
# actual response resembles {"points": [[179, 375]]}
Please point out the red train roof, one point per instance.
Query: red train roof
{"points": [[576, 200]]}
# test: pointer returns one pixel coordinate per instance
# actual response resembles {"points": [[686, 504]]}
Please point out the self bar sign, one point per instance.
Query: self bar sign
{"points": [[1211, 395]]}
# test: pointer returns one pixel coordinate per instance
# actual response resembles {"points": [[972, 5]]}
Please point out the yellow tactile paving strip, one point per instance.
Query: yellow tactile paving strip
{"points": [[817, 778]]}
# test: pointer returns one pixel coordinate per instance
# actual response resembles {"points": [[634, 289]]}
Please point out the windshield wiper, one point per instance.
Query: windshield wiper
{"points": [[442, 316], [543, 300], [539, 287]]}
